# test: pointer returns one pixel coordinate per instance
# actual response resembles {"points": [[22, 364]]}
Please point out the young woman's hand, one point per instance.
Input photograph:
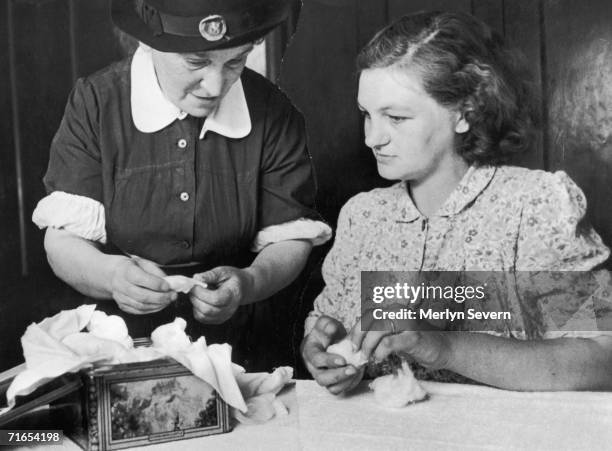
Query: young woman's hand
{"points": [[138, 287], [414, 339], [228, 288], [329, 370]]}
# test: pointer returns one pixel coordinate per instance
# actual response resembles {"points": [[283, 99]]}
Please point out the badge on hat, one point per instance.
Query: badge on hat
{"points": [[213, 28]]}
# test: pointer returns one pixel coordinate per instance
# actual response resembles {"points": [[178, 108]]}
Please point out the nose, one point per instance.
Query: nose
{"points": [[375, 134], [212, 81]]}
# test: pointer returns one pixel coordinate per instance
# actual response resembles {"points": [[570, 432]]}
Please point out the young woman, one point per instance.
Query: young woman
{"points": [[445, 103]]}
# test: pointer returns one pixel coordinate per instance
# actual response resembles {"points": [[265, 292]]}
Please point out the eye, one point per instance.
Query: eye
{"points": [[397, 119], [197, 64], [236, 62]]}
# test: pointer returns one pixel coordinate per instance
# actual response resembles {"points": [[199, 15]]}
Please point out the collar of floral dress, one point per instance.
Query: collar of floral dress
{"points": [[152, 111], [475, 180]]}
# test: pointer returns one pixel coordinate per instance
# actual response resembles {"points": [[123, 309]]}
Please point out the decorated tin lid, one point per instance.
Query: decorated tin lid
{"points": [[182, 26]]}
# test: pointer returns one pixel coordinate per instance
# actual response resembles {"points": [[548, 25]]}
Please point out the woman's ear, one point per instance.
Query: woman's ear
{"points": [[462, 125]]}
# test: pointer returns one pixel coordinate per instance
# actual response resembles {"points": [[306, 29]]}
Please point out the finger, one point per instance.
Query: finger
{"points": [[371, 341], [138, 276], [334, 376], [151, 298], [220, 297], [387, 345], [345, 386], [205, 313], [329, 330], [356, 335], [130, 305], [213, 277], [314, 348], [327, 360], [428, 348]]}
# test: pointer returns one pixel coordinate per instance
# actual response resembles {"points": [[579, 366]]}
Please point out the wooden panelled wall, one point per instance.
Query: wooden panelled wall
{"points": [[568, 45], [44, 46]]}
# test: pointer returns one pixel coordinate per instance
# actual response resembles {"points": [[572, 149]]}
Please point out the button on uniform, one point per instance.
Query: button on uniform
{"points": [[184, 244], [184, 196], [182, 143]]}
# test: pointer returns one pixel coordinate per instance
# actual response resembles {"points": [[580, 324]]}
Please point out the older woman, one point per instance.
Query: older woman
{"points": [[179, 159], [444, 104]]}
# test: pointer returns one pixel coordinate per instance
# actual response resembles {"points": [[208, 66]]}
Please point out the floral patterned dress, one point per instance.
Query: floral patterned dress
{"points": [[505, 219]]}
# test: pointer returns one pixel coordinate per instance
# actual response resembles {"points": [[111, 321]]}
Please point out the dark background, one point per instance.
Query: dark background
{"points": [[46, 44]]}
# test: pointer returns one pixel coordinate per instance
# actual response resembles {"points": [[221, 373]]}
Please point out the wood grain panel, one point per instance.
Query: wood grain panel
{"points": [[43, 83], [522, 31], [318, 74], [94, 41], [9, 223], [372, 16], [491, 12], [578, 43], [398, 8]]}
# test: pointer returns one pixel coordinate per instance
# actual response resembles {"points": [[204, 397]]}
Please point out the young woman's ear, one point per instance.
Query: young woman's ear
{"points": [[461, 123], [461, 126]]}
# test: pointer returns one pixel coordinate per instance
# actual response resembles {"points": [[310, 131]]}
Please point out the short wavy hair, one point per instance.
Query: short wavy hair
{"points": [[464, 65]]}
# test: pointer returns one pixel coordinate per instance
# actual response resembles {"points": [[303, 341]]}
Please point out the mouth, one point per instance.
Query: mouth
{"points": [[205, 99], [382, 156]]}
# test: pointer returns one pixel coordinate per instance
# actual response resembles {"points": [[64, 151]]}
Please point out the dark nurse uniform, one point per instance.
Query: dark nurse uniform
{"points": [[176, 199]]}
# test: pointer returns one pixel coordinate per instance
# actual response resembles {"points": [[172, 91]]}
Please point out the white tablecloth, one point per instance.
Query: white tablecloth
{"points": [[455, 417]]}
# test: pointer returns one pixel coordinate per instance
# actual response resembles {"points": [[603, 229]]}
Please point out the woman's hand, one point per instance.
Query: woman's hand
{"points": [[138, 287], [329, 370], [228, 288], [417, 340]]}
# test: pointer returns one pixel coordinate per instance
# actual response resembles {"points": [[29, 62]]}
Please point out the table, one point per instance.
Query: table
{"points": [[455, 417]]}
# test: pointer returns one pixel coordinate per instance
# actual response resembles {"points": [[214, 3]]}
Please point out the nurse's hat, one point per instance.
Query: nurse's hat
{"points": [[197, 25]]}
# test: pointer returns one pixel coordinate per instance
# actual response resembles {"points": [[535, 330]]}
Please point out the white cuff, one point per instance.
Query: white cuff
{"points": [[79, 215], [301, 229]]}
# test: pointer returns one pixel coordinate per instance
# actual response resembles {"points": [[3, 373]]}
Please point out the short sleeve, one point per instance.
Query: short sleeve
{"points": [[564, 292], [340, 297], [287, 188], [554, 234], [74, 161]]}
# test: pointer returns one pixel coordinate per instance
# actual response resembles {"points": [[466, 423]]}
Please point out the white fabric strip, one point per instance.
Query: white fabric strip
{"points": [[79, 215], [316, 232]]}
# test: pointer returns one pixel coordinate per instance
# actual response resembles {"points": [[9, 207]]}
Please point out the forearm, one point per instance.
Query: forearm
{"points": [[276, 266], [80, 264], [559, 364]]}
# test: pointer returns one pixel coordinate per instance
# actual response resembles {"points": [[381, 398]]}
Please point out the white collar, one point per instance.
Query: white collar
{"points": [[152, 111]]}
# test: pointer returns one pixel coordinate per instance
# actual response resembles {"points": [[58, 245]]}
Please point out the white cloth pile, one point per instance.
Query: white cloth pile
{"points": [[58, 345]]}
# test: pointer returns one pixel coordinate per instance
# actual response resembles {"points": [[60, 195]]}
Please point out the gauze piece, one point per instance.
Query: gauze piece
{"points": [[183, 284], [171, 337], [259, 409], [87, 345], [110, 328], [259, 390], [254, 384], [398, 390], [347, 349]]}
